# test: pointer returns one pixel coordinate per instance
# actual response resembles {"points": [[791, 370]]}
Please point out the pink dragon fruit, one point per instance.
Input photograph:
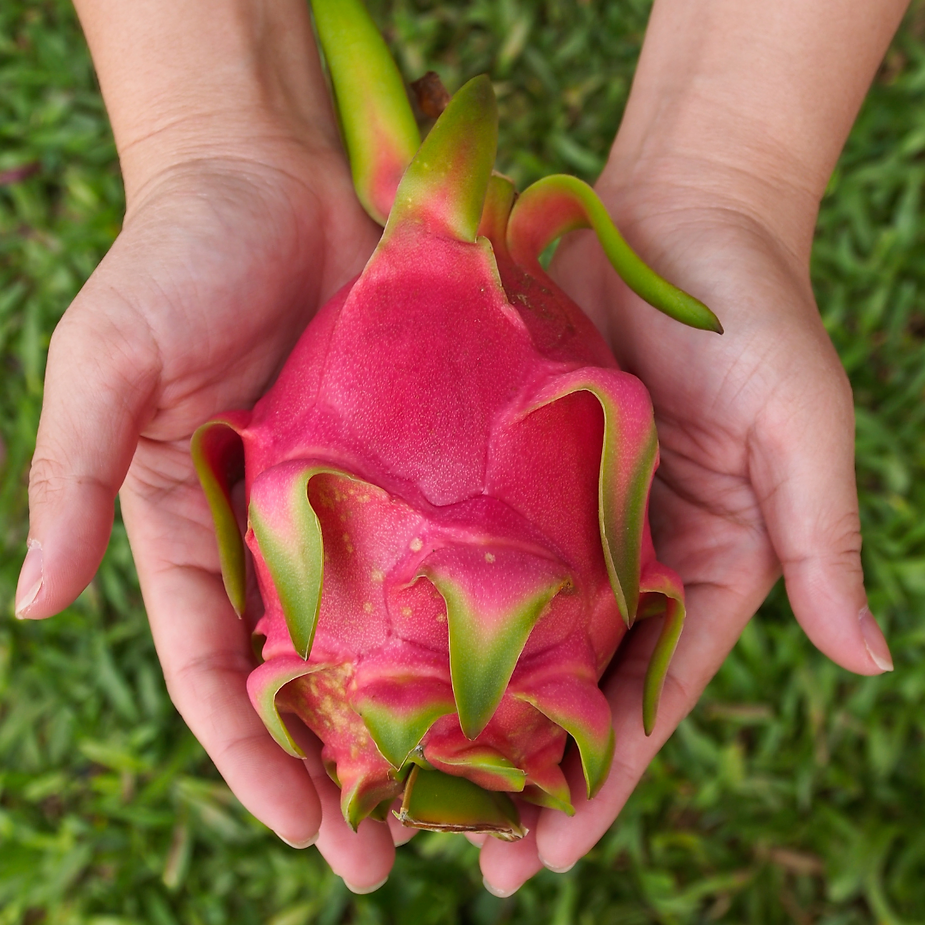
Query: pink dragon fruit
{"points": [[447, 486]]}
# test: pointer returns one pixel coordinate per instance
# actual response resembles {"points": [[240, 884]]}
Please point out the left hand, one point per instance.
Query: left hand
{"points": [[756, 435]]}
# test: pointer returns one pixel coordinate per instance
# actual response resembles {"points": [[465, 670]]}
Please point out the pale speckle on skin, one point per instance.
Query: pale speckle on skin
{"points": [[489, 557], [367, 607], [377, 575], [329, 710], [406, 611], [417, 544]]}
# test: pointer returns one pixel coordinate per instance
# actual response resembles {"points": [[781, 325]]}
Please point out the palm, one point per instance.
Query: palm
{"points": [[214, 277], [239, 266], [744, 421], [733, 412]]}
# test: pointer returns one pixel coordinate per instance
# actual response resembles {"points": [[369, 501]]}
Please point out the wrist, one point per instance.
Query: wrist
{"points": [[187, 82], [668, 182], [746, 105]]}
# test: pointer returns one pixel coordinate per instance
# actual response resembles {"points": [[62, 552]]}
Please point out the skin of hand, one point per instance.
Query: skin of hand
{"points": [[218, 268], [743, 421], [737, 115], [241, 221]]}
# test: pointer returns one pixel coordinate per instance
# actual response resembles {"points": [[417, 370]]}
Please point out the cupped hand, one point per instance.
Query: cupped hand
{"points": [[756, 434], [222, 261]]}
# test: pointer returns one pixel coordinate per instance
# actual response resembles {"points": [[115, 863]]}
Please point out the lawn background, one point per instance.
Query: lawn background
{"points": [[793, 793]]}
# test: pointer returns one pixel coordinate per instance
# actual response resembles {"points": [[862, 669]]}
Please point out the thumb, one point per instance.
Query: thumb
{"points": [[98, 391], [803, 470]]}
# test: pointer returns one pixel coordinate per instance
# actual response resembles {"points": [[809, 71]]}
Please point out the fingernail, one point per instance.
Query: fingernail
{"points": [[497, 891], [30, 579], [876, 645], [557, 870], [403, 837], [299, 844], [363, 890]]}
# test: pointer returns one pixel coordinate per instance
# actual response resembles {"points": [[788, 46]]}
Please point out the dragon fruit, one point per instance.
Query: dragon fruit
{"points": [[447, 485]]}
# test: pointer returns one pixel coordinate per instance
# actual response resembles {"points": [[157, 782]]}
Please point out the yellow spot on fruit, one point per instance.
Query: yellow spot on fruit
{"points": [[416, 544], [406, 611], [367, 607], [377, 575], [489, 557]]}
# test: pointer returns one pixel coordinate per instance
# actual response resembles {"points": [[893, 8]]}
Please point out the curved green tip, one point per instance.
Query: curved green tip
{"points": [[482, 764], [659, 662], [629, 455], [573, 700], [494, 596], [218, 455], [380, 132], [445, 803], [264, 683], [398, 712], [364, 796], [555, 205], [499, 199], [289, 537], [444, 186]]}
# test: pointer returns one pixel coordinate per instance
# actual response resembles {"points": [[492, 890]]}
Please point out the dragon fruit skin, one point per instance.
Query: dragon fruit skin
{"points": [[447, 490]]}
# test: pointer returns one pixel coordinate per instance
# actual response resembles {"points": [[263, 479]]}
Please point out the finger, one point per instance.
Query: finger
{"points": [[362, 859], [802, 466], [205, 652], [716, 615], [506, 866], [98, 391]]}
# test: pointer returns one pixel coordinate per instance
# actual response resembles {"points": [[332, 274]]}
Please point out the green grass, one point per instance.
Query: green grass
{"points": [[794, 793]]}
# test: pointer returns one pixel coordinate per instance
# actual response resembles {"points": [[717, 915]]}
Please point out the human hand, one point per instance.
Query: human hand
{"points": [[222, 261], [756, 434], [736, 117]]}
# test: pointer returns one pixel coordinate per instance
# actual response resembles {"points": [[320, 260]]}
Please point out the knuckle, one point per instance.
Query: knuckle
{"points": [[49, 477], [208, 680], [678, 697]]}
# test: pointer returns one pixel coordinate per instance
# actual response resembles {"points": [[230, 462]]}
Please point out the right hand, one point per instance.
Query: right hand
{"points": [[223, 259]]}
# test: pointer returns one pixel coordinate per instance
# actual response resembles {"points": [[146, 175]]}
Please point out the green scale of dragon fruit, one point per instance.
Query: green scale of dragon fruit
{"points": [[447, 492]]}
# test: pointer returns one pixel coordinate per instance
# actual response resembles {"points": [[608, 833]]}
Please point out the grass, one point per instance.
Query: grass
{"points": [[793, 793]]}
